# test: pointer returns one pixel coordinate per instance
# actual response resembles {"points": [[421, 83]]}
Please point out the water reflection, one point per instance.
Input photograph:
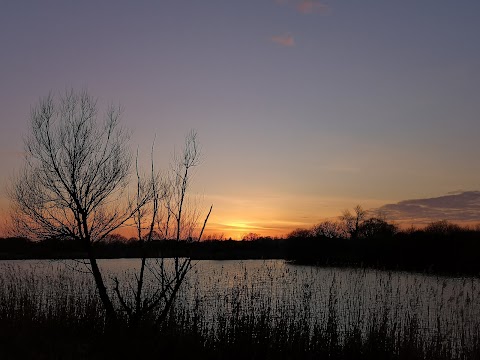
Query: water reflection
{"points": [[220, 290]]}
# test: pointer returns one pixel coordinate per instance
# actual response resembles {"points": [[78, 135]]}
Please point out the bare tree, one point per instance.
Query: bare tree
{"points": [[328, 229], [442, 227], [376, 228], [169, 204], [300, 233], [75, 177], [74, 186], [250, 236], [352, 222]]}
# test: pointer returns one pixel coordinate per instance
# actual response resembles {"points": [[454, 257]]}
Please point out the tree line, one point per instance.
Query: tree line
{"points": [[440, 247], [370, 241]]}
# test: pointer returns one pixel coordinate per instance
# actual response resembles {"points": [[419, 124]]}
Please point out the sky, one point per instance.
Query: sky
{"points": [[302, 108]]}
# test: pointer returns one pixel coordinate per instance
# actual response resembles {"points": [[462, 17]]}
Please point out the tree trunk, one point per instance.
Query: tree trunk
{"points": [[111, 316]]}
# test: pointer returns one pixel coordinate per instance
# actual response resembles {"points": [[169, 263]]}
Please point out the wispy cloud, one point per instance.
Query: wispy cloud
{"points": [[284, 40], [311, 6], [457, 207]]}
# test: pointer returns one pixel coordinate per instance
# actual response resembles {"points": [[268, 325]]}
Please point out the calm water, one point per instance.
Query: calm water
{"points": [[216, 289]]}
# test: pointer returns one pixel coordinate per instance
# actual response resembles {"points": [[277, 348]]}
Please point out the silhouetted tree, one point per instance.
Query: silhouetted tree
{"points": [[73, 186], [115, 238], [250, 237], [375, 228], [353, 221], [75, 176], [168, 194], [442, 227], [328, 229], [300, 234]]}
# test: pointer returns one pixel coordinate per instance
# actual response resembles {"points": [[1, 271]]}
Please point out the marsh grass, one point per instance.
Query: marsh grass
{"points": [[266, 311]]}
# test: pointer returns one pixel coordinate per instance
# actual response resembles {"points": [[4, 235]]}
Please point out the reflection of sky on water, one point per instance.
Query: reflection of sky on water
{"points": [[217, 289]]}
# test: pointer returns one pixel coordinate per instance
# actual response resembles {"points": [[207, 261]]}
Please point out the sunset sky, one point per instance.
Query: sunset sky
{"points": [[303, 108]]}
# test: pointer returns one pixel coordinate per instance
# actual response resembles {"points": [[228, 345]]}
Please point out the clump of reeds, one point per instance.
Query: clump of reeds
{"points": [[41, 311], [272, 311]]}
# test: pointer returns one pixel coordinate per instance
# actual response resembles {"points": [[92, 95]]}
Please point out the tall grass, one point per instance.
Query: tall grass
{"points": [[264, 310]]}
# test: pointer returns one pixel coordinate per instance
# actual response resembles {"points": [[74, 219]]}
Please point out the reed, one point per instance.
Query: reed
{"points": [[264, 312]]}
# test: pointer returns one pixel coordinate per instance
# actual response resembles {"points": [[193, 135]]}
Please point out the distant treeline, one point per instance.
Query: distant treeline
{"points": [[359, 240], [440, 247], [120, 247]]}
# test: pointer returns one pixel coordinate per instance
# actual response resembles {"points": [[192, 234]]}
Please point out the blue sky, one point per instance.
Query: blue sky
{"points": [[303, 108]]}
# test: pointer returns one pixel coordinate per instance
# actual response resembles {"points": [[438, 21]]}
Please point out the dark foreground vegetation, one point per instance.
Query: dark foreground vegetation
{"points": [[441, 247], [59, 316]]}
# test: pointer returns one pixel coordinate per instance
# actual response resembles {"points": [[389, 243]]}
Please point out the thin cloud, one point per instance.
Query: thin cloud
{"points": [[284, 40], [311, 6], [458, 207]]}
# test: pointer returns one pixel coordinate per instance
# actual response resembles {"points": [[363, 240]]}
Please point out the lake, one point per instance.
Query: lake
{"points": [[217, 289]]}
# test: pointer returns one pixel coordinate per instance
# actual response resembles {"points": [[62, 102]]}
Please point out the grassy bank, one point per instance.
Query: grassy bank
{"points": [[56, 314]]}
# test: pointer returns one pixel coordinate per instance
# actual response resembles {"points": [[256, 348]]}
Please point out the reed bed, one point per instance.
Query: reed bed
{"points": [[246, 310]]}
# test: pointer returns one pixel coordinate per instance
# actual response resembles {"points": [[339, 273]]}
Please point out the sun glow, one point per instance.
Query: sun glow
{"points": [[235, 229], [238, 229], [239, 225]]}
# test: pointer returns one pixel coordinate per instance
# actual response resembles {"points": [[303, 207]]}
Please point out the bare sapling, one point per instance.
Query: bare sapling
{"points": [[167, 207]]}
